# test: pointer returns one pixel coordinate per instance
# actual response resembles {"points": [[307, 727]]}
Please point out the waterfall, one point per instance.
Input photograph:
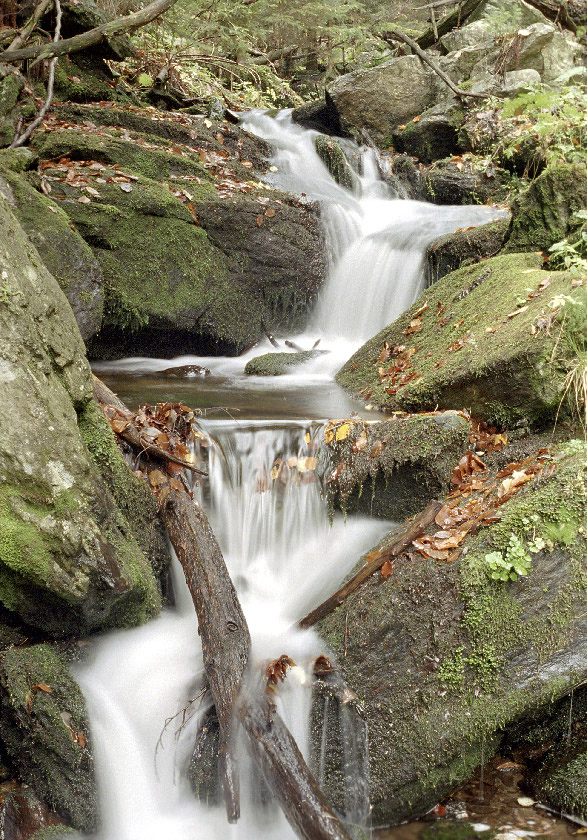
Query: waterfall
{"points": [[265, 503]]}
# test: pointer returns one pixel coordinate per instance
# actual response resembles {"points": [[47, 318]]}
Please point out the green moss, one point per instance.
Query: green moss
{"points": [[452, 830], [132, 494], [11, 86], [566, 787], [278, 364], [333, 157], [504, 376]]}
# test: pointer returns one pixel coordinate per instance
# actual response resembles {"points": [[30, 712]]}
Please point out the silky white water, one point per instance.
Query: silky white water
{"points": [[283, 555]]}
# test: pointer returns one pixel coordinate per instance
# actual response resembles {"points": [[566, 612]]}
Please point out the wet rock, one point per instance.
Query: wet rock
{"points": [[544, 213], [278, 364], [69, 259], [321, 116], [22, 814], [227, 259], [435, 135], [185, 372], [408, 175], [443, 658], [46, 733], [464, 247], [333, 157], [68, 562], [392, 469], [482, 343], [448, 183], [379, 99], [15, 105]]}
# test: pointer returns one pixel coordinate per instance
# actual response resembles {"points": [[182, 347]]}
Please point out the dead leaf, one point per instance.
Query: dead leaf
{"points": [[336, 472], [156, 478], [361, 442], [386, 569], [270, 213], [42, 687], [259, 220]]}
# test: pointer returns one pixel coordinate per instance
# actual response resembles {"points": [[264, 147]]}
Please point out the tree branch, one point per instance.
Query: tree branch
{"points": [[25, 33], [93, 36], [394, 35]]}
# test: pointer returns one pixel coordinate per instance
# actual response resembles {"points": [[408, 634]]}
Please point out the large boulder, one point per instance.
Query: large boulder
{"points": [[464, 181], [392, 468], [68, 561], [45, 730], [467, 246], [227, 258], [543, 214], [482, 338], [380, 99], [444, 656], [69, 259], [435, 135]]}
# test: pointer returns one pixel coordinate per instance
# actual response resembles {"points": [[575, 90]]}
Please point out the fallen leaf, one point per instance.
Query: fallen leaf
{"points": [[361, 442], [342, 432], [336, 472], [156, 478], [386, 569], [259, 221], [270, 213], [42, 687]]}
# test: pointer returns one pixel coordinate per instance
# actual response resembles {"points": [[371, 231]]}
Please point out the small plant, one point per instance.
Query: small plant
{"points": [[515, 562], [574, 335]]}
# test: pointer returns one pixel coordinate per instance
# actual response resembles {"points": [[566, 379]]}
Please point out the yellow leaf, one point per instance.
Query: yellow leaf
{"points": [[329, 434], [343, 431]]}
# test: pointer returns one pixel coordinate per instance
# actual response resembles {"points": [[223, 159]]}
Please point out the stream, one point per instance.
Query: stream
{"points": [[284, 555]]}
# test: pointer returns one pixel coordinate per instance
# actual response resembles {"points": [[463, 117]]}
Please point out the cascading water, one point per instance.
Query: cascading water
{"points": [[267, 511]]}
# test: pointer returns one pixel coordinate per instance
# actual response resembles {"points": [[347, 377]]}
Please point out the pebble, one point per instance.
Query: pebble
{"points": [[526, 802]]}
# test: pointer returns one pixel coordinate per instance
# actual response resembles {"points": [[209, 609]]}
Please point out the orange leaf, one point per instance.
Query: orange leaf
{"points": [[386, 569], [270, 213], [259, 221]]}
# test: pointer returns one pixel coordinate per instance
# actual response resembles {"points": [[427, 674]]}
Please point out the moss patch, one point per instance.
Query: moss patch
{"points": [[46, 733], [483, 343], [278, 364]]}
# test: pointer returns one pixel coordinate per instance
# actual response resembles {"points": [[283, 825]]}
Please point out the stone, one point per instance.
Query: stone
{"points": [[220, 271], [544, 213], [63, 251], [22, 814], [278, 364], [464, 247], [545, 50], [333, 157], [380, 99], [443, 658], [448, 183], [321, 116], [81, 15], [397, 466], [435, 135], [46, 732], [483, 343], [519, 81], [68, 561], [575, 76]]}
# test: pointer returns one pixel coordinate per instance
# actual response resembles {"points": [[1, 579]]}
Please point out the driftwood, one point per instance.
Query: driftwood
{"points": [[104, 396], [447, 23], [411, 532], [92, 36], [394, 35], [222, 625]]}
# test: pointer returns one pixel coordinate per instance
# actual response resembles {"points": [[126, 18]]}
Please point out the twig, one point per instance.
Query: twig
{"points": [[22, 139], [394, 35], [410, 533], [25, 33]]}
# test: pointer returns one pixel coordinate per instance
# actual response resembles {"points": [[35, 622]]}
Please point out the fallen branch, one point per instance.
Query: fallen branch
{"points": [[104, 396], [395, 35], [92, 36], [410, 532], [447, 23], [26, 135], [274, 55], [25, 33]]}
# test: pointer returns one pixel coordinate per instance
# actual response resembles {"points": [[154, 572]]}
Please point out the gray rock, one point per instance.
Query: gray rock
{"points": [[452, 251], [69, 259], [45, 730], [435, 135], [545, 50], [574, 76], [332, 155], [381, 98], [443, 657], [278, 364], [68, 563], [392, 469], [519, 81]]}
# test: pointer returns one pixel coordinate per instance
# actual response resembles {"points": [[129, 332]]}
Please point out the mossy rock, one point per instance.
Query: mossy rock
{"points": [[69, 259], [435, 135], [543, 214], [45, 730], [564, 787], [278, 364], [452, 251], [483, 343], [393, 468], [447, 183], [68, 563], [219, 271], [444, 658], [333, 157]]}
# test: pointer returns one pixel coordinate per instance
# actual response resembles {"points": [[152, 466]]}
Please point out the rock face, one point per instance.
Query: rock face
{"points": [[68, 562], [381, 98], [45, 731], [227, 259], [278, 364], [392, 469], [69, 259], [443, 657], [543, 214], [491, 353], [452, 251]]}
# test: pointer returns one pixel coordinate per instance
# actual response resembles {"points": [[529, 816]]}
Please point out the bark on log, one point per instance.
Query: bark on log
{"points": [[411, 532], [274, 55], [286, 772], [222, 625], [92, 36], [448, 22]]}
